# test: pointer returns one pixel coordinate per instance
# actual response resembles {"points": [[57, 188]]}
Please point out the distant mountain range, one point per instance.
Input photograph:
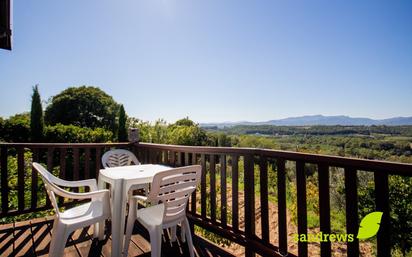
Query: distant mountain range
{"points": [[312, 120]]}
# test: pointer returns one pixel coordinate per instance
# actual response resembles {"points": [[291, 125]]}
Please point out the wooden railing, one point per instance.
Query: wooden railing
{"points": [[218, 205], [218, 161], [75, 161]]}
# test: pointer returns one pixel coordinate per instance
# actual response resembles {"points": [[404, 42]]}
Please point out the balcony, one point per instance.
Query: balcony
{"points": [[240, 213]]}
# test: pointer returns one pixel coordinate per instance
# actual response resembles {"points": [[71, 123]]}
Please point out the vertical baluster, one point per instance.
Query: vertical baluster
{"points": [[172, 159], [142, 157], [154, 156], [151, 153], [63, 153], [147, 155], [187, 159], [281, 177], [34, 180], [382, 204], [264, 201], [165, 157], [324, 207], [302, 208], [235, 192], [138, 152], [159, 156], [4, 181], [193, 203], [20, 178], [212, 188], [135, 150], [87, 163], [187, 163], [249, 184], [179, 159], [76, 166], [223, 206], [98, 161], [62, 173], [193, 196], [352, 224], [203, 187], [50, 152]]}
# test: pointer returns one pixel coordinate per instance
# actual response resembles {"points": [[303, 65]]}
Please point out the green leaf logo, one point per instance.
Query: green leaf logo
{"points": [[369, 225]]}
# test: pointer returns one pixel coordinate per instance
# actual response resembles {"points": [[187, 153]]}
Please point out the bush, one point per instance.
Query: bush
{"points": [[16, 128], [400, 199], [73, 134], [183, 132]]}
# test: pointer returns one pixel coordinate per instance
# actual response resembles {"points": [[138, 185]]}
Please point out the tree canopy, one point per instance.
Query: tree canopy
{"points": [[83, 106], [185, 122], [16, 128], [36, 117], [122, 130]]}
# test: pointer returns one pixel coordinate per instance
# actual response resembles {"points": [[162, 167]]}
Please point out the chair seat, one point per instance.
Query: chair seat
{"points": [[82, 213], [151, 216]]}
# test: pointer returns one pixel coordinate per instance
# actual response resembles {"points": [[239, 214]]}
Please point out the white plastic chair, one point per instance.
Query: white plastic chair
{"points": [[122, 157], [94, 212], [119, 157], [169, 195]]}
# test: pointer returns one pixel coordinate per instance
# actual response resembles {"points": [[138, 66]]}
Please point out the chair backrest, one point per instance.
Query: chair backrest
{"points": [[173, 188], [118, 157], [49, 183]]}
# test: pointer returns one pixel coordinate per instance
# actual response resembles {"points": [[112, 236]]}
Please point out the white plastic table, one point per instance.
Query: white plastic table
{"points": [[122, 179]]}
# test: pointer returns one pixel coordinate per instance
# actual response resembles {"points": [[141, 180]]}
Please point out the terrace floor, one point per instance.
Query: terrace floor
{"points": [[32, 238]]}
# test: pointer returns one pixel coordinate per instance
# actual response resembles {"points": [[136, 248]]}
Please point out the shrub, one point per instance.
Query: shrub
{"points": [[73, 134], [16, 128]]}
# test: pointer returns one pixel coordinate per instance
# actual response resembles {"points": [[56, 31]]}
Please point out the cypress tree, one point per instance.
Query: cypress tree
{"points": [[122, 131], [36, 116]]}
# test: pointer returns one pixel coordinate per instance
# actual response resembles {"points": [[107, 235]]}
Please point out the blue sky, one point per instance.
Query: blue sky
{"points": [[216, 60]]}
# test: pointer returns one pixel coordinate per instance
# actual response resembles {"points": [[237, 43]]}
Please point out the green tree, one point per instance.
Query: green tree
{"points": [[185, 122], [182, 135], [84, 107], [224, 140], [400, 196], [122, 130], [36, 117], [186, 132], [16, 128]]}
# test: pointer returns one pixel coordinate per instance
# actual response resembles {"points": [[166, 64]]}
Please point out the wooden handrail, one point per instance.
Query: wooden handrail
{"points": [[335, 161], [66, 145]]}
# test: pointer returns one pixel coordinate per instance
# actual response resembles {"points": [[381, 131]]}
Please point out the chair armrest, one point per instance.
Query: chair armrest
{"points": [[133, 200], [139, 197], [91, 183], [80, 196]]}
